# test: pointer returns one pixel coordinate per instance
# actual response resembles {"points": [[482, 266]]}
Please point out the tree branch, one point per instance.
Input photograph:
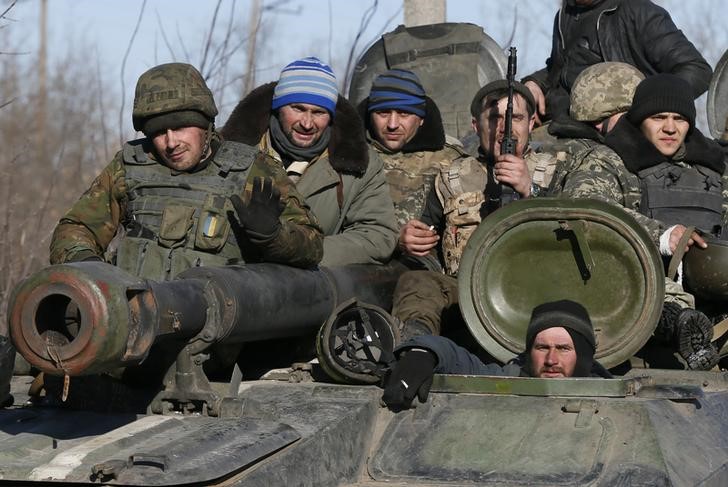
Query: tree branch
{"points": [[123, 67]]}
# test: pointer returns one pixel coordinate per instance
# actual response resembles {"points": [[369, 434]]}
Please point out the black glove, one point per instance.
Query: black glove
{"points": [[259, 216], [411, 375]]}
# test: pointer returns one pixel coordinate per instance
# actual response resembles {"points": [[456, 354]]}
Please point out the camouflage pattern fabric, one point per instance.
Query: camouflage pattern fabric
{"points": [[602, 90], [599, 173], [460, 189], [675, 293], [88, 228], [171, 87], [410, 177], [423, 295], [569, 155]]}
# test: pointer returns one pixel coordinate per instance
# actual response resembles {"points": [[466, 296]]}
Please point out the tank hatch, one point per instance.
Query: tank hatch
{"points": [[546, 249]]}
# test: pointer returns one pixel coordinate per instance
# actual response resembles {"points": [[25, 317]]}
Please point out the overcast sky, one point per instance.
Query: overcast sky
{"points": [[325, 28]]}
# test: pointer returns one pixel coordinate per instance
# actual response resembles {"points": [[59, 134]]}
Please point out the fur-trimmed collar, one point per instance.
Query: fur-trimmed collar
{"points": [[638, 153], [568, 128], [348, 150], [429, 137]]}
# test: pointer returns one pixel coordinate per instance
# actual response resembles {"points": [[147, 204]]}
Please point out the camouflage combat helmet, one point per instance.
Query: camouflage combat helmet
{"points": [[172, 95], [602, 90]]}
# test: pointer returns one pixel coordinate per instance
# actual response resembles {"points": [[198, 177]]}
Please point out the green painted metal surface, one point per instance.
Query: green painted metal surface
{"points": [[545, 249]]}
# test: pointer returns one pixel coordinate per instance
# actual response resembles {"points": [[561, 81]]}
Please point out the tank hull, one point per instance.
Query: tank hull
{"points": [[667, 430]]}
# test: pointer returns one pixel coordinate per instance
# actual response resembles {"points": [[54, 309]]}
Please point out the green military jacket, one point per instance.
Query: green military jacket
{"points": [[355, 212], [105, 211]]}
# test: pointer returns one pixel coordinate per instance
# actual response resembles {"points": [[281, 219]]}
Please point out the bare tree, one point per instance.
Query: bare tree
{"points": [[37, 184], [123, 67]]}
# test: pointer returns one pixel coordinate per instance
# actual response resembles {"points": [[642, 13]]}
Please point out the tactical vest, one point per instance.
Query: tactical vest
{"points": [[683, 194], [410, 177], [542, 166], [463, 191], [178, 221]]}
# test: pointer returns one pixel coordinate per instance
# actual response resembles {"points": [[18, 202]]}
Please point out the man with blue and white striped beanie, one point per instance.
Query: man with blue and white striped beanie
{"points": [[318, 136], [304, 102], [307, 80]]}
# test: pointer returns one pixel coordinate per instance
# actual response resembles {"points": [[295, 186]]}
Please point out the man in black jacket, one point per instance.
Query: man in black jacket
{"points": [[559, 343], [636, 32]]}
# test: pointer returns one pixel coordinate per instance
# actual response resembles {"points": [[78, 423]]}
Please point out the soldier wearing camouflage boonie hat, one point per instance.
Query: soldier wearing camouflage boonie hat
{"points": [[182, 197]]}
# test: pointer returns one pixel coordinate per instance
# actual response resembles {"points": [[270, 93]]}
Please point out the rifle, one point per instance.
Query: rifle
{"points": [[508, 146]]}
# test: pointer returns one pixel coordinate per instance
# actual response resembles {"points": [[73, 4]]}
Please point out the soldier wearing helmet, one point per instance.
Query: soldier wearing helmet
{"points": [[181, 196], [601, 95], [658, 166]]}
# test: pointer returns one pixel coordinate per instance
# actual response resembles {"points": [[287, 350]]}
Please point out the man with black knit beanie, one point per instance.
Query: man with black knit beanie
{"points": [[659, 167], [560, 342]]}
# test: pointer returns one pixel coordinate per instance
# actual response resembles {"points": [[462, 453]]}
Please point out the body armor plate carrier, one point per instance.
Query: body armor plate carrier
{"points": [[176, 221]]}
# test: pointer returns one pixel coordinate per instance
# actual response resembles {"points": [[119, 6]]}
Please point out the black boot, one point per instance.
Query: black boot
{"points": [[693, 336]]}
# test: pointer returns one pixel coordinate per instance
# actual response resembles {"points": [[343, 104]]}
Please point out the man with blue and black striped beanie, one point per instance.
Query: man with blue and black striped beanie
{"points": [[397, 108], [405, 127]]}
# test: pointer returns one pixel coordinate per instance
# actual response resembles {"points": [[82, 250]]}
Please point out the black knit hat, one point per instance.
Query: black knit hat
{"points": [[575, 320], [565, 313], [500, 87], [662, 93]]}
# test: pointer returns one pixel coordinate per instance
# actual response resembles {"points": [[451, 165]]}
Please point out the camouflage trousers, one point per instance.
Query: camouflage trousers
{"points": [[674, 293], [424, 296]]}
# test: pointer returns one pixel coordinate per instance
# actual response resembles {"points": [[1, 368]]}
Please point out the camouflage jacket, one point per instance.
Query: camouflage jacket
{"points": [[462, 200], [599, 173], [570, 153], [101, 213], [411, 175]]}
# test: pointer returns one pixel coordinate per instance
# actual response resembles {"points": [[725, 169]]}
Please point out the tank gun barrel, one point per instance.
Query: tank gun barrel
{"points": [[87, 318]]}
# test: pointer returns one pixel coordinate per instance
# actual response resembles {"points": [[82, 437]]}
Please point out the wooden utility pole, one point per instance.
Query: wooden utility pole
{"points": [[421, 12], [253, 27], [42, 115]]}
